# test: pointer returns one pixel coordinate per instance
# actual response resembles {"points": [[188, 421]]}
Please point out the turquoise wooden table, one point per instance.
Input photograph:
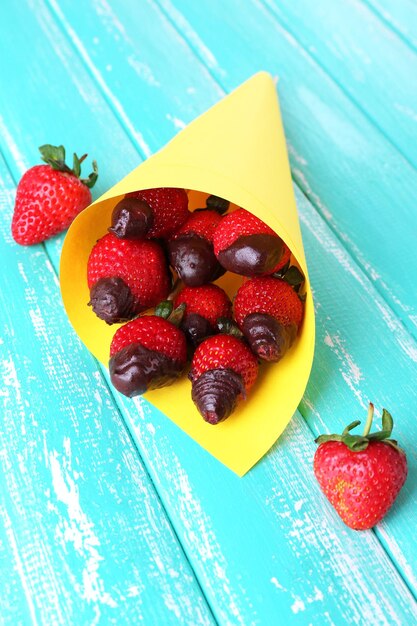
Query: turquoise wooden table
{"points": [[109, 513]]}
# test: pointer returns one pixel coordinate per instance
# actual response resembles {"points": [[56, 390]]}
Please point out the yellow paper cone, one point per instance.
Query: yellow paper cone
{"points": [[236, 150]]}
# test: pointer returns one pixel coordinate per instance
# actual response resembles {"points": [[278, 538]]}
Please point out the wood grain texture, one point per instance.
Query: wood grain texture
{"points": [[380, 84], [341, 161], [82, 530], [265, 548], [400, 15], [84, 538], [142, 436]]}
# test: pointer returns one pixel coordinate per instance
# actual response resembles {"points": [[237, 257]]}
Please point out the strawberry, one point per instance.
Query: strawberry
{"points": [[50, 196], [361, 475], [244, 244], [126, 277], [154, 213], [147, 353], [191, 249], [204, 306], [223, 370], [269, 312]]}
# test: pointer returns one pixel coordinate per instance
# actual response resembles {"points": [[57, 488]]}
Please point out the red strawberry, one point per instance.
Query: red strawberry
{"points": [[154, 213], [223, 370], [361, 476], [191, 249], [147, 353], [126, 277], [244, 244], [204, 306], [269, 313], [50, 196]]}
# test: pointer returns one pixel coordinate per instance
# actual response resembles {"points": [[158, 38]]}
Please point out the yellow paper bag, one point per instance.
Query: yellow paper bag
{"points": [[236, 150]]}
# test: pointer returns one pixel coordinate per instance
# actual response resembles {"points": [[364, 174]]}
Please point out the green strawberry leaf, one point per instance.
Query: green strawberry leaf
{"points": [[356, 443], [361, 442], [228, 327], [351, 426], [76, 167], [387, 421], [92, 178], [177, 314], [294, 277], [164, 309], [55, 157], [52, 153]]}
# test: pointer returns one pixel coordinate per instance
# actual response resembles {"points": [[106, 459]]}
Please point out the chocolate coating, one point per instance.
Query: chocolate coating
{"points": [[194, 260], [196, 328], [135, 370], [132, 218], [216, 393], [267, 338], [252, 255], [112, 300], [217, 204]]}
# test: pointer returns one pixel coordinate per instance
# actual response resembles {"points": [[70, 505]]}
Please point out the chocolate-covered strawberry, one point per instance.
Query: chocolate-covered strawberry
{"points": [[147, 353], [125, 277], [204, 306], [223, 370], [191, 251], [269, 313], [245, 245], [151, 213]]}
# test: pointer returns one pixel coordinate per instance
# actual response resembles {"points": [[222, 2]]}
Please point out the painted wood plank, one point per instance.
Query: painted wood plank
{"points": [[350, 172], [342, 352], [343, 38], [81, 524], [163, 473], [400, 15], [84, 538]]}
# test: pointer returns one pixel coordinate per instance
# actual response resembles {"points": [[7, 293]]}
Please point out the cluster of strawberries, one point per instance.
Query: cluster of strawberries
{"points": [[128, 273]]}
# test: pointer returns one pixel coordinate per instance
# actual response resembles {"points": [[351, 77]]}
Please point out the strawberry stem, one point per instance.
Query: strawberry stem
{"points": [[369, 419], [361, 442]]}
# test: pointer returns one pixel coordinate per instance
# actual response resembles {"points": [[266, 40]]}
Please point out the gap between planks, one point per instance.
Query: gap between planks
{"points": [[128, 432], [268, 7], [78, 51], [203, 56], [186, 33]]}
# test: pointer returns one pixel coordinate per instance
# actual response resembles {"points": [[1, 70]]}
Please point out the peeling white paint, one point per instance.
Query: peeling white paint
{"points": [[298, 605], [143, 71], [78, 529], [178, 124], [19, 565]]}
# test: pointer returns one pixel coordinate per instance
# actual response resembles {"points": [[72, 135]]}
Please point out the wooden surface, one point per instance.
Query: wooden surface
{"points": [[109, 513]]}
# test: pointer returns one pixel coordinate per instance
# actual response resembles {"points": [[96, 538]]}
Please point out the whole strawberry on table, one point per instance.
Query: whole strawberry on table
{"points": [[50, 196], [361, 475], [128, 273]]}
